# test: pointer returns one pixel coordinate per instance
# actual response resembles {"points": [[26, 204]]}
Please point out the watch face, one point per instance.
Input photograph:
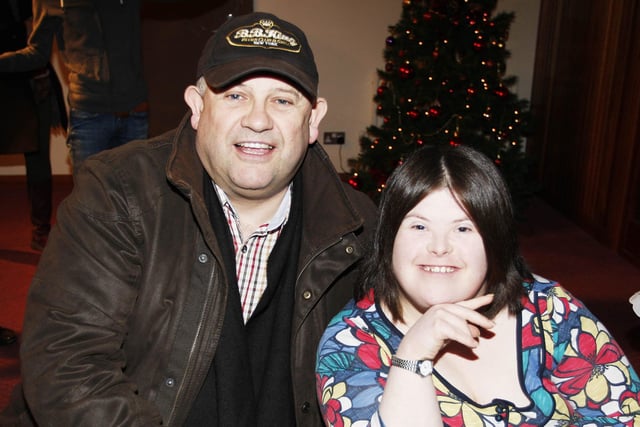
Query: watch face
{"points": [[425, 367]]}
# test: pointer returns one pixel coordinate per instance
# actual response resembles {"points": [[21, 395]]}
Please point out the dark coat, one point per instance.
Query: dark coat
{"points": [[21, 92], [18, 112], [100, 47]]}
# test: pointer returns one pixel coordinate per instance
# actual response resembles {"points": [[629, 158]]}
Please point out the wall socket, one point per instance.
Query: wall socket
{"points": [[334, 138]]}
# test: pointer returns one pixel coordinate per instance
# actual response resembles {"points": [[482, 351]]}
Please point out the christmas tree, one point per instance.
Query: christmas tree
{"points": [[444, 83]]}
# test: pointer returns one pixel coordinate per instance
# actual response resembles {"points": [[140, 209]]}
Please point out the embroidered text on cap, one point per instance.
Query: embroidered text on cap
{"points": [[263, 34]]}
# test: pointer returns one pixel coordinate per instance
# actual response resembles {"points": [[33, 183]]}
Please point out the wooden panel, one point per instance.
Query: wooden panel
{"points": [[630, 236], [558, 124], [174, 33], [586, 103], [622, 124]]}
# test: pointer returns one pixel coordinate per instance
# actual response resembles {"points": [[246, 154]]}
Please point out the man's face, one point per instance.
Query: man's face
{"points": [[252, 137]]}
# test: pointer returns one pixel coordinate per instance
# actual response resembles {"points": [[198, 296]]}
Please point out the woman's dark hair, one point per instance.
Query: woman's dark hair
{"points": [[481, 192]]}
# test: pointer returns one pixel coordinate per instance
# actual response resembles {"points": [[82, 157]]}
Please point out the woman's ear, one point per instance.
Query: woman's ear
{"points": [[317, 114], [195, 101]]}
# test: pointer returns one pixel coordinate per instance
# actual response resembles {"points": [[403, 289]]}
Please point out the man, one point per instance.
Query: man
{"points": [[189, 277], [100, 47]]}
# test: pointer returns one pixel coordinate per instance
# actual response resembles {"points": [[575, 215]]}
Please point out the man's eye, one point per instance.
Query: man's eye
{"points": [[284, 102], [234, 96]]}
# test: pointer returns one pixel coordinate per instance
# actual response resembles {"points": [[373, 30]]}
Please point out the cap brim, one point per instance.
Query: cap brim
{"points": [[224, 75]]}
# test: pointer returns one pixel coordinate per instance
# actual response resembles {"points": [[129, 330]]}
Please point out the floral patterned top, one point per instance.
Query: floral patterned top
{"points": [[571, 368]]}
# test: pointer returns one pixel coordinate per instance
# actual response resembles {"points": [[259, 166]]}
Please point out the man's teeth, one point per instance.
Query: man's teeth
{"points": [[256, 145], [437, 269]]}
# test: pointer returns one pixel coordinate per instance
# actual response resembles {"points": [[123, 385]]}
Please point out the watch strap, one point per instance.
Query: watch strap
{"points": [[423, 368]]}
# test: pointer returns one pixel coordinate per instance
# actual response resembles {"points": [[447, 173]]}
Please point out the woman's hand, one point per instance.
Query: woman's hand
{"points": [[444, 323], [410, 399]]}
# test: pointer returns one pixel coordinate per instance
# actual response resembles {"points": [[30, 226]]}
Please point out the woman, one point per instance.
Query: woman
{"points": [[449, 326]]}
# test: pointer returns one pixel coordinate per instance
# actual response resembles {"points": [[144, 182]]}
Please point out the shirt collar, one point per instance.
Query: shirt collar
{"points": [[278, 219]]}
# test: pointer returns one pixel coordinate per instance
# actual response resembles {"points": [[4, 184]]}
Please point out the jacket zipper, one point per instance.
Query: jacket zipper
{"points": [[185, 384]]}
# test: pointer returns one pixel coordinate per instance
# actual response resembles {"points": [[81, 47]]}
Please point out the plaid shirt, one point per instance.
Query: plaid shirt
{"points": [[253, 253]]}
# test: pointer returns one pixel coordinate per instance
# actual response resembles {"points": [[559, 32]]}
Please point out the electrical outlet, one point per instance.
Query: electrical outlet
{"points": [[334, 138]]}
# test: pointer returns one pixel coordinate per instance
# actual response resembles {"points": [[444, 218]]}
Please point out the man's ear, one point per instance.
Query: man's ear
{"points": [[195, 102], [317, 114]]}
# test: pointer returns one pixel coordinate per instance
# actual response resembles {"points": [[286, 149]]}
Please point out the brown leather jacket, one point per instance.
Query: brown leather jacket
{"points": [[125, 309]]}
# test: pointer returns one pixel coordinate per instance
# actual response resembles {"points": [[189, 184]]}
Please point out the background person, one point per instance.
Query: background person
{"points": [[100, 47], [189, 277], [451, 328], [31, 105]]}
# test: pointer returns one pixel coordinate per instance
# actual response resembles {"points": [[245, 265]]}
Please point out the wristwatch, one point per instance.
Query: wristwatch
{"points": [[424, 368]]}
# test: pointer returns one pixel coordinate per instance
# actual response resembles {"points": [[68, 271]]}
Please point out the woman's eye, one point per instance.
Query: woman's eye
{"points": [[464, 229], [418, 227]]}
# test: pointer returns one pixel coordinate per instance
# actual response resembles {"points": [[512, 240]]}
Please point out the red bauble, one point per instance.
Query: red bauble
{"points": [[354, 181], [406, 72], [435, 111], [501, 92], [413, 114]]}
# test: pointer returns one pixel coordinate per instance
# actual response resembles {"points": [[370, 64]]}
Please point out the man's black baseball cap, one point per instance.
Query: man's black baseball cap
{"points": [[259, 43]]}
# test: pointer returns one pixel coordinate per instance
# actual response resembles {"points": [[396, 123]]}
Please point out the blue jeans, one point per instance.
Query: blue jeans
{"points": [[90, 133]]}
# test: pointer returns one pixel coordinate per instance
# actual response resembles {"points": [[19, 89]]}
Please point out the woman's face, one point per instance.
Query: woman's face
{"points": [[438, 255]]}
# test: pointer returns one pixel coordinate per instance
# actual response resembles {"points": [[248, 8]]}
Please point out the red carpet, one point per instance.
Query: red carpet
{"points": [[554, 247], [17, 265]]}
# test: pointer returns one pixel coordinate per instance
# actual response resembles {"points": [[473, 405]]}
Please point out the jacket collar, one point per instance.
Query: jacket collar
{"points": [[184, 169]]}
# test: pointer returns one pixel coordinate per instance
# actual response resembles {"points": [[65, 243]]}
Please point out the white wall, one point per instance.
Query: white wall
{"points": [[348, 39], [522, 42]]}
